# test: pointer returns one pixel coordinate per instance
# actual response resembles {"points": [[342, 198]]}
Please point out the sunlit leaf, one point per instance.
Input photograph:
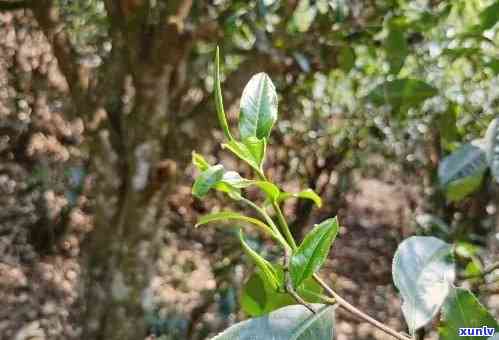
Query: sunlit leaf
{"points": [[258, 111], [313, 251], [230, 215], [199, 161], [306, 194], [294, 322], [303, 16], [246, 154], [423, 271], [218, 97]]}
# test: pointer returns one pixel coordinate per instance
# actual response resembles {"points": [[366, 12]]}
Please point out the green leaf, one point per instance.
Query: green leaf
{"points": [[266, 268], [306, 194], [230, 215], [489, 16], [199, 161], [259, 297], [270, 189], [303, 16], [207, 180], [461, 172], [346, 58], [313, 251], [492, 147], [294, 322], [251, 155], [258, 107], [423, 271], [396, 46], [409, 92], [218, 97], [463, 310], [235, 180]]}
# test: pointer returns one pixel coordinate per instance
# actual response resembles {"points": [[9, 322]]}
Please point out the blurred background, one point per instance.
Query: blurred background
{"points": [[102, 102]]}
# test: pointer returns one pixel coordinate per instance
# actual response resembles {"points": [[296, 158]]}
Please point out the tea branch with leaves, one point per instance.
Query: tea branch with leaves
{"points": [[422, 265]]}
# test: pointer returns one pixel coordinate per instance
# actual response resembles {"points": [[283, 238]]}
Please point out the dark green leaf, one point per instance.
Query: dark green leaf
{"points": [[294, 322], [396, 46], [207, 180], [259, 297], [409, 92], [218, 97], [489, 16], [463, 310], [258, 107], [346, 58], [423, 271], [313, 251]]}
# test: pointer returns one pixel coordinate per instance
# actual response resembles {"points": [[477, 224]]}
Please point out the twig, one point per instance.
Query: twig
{"points": [[289, 284], [352, 309]]}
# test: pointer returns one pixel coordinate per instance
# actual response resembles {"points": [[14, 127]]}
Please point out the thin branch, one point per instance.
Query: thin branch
{"points": [[14, 5], [352, 309]]}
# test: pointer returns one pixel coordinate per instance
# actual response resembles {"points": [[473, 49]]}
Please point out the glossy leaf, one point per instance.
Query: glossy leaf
{"points": [[230, 215], [463, 310], [469, 160], [235, 180], [407, 92], [207, 180], [306, 194], [492, 147], [313, 251], [270, 189], [258, 111], [266, 269], [423, 271], [218, 97], [459, 189], [294, 322], [259, 297]]}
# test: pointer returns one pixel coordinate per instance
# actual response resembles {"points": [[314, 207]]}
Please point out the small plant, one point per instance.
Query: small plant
{"points": [[290, 300]]}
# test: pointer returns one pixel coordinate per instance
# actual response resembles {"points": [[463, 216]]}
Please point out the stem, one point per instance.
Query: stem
{"points": [[352, 309], [269, 221], [284, 225], [289, 283]]}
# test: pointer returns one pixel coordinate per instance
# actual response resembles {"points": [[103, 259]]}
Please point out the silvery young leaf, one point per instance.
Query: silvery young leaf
{"points": [[218, 97], [423, 271], [467, 161], [294, 322], [306, 194], [230, 215], [266, 269], [258, 107], [463, 310], [492, 144], [313, 251], [303, 16], [207, 180], [259, 297]]}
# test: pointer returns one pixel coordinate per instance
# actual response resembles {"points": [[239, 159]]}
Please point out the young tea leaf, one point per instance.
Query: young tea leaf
{"points": [[207, 180], [246, 154], [230, 215], [423, 271], [294, 322], [306, 194], [258, 107], [218, 97], [268, 271], [313, 251], [199, 161], [463, 310]]}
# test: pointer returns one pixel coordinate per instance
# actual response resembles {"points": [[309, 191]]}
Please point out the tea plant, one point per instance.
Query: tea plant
{"points": [[290, 300]]}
